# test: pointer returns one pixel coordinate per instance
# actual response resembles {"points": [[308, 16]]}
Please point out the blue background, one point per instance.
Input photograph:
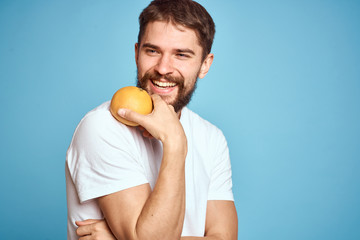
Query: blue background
{"points": [[284, 88]]}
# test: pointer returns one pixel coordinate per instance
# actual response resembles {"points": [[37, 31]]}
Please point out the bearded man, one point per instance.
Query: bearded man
{"points": [[171, 177]]}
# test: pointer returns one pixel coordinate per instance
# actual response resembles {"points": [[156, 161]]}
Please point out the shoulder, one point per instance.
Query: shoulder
{"points": [[206, 142], [99, 117], [97, 126], [94, 122], [200, 126], [204, 137]]}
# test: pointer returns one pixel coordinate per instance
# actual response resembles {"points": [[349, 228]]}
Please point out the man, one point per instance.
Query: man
{"points": [[170, 178]]}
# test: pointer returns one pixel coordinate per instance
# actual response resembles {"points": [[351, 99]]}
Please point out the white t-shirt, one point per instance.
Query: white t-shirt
{"points": [[106, 156]]}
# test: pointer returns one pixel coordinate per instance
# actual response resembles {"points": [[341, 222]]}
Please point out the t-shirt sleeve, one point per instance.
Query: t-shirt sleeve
{"points": [[220, 180], [102, 160]]}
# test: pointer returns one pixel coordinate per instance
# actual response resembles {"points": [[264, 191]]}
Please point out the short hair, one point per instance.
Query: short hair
{"points": [[187, 13]]}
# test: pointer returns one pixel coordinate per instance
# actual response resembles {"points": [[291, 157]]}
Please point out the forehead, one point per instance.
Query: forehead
{"points": [[170, 35]]}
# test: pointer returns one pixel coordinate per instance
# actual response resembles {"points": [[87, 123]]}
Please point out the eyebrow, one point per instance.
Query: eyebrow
{"points": [[180, 50], [149, 45], [185, 50]]}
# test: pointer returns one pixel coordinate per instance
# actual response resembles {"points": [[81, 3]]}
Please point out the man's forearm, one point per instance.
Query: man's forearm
{"points": [[163, 214], [200, 238]]}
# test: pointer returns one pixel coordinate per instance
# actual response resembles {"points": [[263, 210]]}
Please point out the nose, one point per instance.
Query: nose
{"points": [[164, 65]]}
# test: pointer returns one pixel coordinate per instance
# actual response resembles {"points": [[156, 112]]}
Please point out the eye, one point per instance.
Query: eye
{"points": [[151, 51], [182, 55]]}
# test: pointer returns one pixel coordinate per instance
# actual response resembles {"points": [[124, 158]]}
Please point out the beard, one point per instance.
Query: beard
{"points": [[183, 96]]}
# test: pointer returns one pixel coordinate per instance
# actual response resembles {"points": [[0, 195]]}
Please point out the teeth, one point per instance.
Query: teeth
{"points": [[164, 84]]}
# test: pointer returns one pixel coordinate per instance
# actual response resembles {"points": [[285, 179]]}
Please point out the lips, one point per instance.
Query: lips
{"points": [[161, 84], [162, 88]]}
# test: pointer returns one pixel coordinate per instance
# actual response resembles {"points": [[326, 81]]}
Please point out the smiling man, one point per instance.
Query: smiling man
{"points": [[171, 177], [169, 61]]}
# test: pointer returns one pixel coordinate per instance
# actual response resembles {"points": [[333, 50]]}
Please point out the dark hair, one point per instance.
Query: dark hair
{"points": [[187, 13]]}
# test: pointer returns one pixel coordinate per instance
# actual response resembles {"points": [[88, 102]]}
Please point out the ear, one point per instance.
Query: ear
{"points": [[136, 53], [205, 66]]}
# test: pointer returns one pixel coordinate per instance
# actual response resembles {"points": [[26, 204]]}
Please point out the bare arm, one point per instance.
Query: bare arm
{"points": [[138, 213], [221, 221], [221, 224]]}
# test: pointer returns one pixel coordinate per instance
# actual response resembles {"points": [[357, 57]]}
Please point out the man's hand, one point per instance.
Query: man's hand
{"points": [[163, 123], [93, 229]]}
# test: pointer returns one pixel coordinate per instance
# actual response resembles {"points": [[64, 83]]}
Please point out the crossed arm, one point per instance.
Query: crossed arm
{"points": [[221, 224], [139, 213]]}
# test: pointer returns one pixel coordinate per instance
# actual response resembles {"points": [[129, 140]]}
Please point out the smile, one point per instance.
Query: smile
{"points": [[163, 84]]}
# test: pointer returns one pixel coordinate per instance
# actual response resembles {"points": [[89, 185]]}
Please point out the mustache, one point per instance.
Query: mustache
{"points": [[157, 76]]}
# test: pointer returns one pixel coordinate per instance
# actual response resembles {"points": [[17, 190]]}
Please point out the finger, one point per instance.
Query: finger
{"points": [[86, 222], [87, 237], [84, 230], [147, 134], [141, 128], [157, 100], [155, 97], [171, 107], [132, 116]]}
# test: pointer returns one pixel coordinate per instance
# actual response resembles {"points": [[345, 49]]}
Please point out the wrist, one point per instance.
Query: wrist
{"points": [[175, 146]]}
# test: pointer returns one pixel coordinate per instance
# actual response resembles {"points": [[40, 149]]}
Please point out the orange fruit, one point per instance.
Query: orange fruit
{"points": [[132, 98]]}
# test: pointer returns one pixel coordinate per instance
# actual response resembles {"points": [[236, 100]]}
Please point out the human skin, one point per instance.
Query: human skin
{"points": [[138, 212], [178, 67]]}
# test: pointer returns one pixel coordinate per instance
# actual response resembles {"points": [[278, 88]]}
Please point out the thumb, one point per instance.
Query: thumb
{"points": [[86, 222], [131, 116]]}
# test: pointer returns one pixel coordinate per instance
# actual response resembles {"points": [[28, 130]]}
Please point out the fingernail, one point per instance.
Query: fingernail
{"points": [[121, 112]]}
